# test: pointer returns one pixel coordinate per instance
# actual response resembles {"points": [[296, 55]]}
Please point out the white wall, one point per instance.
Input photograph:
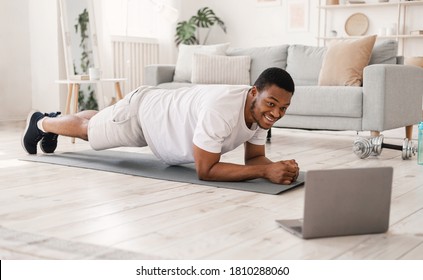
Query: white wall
{"points": [[15, 70], [47, 62], [249, 24], [140, 18], [30, 55]]}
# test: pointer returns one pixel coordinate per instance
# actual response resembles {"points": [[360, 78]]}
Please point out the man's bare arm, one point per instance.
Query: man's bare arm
{"points": [[210, 168], [255, 155]]}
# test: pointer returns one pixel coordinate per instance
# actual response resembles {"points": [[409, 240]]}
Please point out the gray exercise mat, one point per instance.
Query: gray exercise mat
{"points": [[149, 166]]}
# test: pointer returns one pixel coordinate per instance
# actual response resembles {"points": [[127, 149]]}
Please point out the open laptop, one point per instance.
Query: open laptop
{"points": [[344, 202]]}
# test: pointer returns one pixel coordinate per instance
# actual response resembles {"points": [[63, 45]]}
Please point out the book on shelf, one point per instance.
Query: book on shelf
{"points": [[80, 77], [416, 32]]}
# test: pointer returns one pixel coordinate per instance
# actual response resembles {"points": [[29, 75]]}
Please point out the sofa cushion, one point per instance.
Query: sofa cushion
{"points": [[219, 69], [183, 67], [345, 60], [319, 122], [384, 52], [262, 58], [335, 101], [304, 64]]}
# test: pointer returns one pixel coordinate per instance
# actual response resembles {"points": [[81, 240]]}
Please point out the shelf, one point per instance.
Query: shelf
{"points": [[348, 6], [409, 36], [402, 24], [369, 5], [378, 37]]}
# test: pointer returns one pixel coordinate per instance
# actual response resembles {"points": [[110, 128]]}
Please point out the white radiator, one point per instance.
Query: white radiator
{"points": [[130, 56]]}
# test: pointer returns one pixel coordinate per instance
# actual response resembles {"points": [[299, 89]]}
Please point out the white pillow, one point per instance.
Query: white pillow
{"points": [[183, 67], [219, 69]]}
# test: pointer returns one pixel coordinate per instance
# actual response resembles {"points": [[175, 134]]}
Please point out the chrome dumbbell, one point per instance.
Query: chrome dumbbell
{"points": [[364, 148]]}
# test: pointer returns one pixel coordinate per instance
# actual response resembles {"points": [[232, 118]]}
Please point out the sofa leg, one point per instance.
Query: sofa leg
{"points": [[409, 132], [374, 133], [269, 135]]}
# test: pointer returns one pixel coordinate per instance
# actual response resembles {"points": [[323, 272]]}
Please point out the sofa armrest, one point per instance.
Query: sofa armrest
{"points": [[156, 74], [392, 96]]}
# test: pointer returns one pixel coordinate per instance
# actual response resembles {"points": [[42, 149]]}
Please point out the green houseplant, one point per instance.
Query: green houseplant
{"points": [[187, 32], [89, 103]]}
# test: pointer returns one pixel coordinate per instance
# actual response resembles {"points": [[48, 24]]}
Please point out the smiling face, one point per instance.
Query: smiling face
{"points": [[266, 107]]}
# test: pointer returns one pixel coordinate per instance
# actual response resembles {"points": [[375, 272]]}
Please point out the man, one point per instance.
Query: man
{"points": [[195, 124]]}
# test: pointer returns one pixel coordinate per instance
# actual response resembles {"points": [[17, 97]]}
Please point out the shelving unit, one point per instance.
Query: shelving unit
{"points": [[325, 11]]}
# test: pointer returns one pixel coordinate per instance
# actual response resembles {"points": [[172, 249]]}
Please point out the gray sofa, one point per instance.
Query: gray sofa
{"points": [[391, 95]]}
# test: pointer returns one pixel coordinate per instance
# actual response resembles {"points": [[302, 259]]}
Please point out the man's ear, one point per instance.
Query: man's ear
{"points": [[253, 91]]}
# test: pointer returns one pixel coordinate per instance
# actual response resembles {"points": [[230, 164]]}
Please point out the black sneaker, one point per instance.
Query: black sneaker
{"points": [[32, 135], [49, 142]]}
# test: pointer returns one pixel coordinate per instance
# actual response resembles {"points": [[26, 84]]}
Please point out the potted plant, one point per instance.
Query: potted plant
{"points": [[187, 32]]}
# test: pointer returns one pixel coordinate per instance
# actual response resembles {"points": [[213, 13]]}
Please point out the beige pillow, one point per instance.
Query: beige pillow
{"points": [[183, 68], [219, 69], [345, 60]]}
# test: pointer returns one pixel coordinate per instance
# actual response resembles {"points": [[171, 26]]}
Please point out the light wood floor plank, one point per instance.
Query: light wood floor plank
{"points": [[404, 237], [415, 254]]}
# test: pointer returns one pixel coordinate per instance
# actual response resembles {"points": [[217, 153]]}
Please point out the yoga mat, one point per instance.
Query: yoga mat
{"points": [[149, 166]]}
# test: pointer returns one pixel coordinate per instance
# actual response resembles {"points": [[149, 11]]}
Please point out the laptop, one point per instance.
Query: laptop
{"points": [[342, 202]]}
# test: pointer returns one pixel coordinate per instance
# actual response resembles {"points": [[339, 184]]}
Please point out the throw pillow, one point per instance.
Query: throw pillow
{"points": [[384, 52], [262, 58], [218, 69], [345, 60], [183, 68], [304, 64]]}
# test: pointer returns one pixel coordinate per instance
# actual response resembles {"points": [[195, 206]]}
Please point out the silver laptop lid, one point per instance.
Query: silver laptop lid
{"points": [[347, 201]]}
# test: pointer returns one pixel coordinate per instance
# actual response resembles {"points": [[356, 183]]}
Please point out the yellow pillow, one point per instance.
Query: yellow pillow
{"points": [[345, 60]]}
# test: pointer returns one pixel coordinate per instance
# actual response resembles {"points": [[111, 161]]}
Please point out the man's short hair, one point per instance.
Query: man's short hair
{"points": [[275, 76]]}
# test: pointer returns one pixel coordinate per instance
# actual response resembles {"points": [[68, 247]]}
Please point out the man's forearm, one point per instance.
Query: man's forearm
{"points": [[223, 171], [281, 172], [259, 160], [210, 168]]}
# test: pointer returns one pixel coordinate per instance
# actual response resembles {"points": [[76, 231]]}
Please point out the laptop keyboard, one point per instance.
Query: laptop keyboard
{"points": [[298, 229]]}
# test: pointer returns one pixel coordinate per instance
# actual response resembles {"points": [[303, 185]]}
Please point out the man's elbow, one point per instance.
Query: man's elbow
{"points": [[204, 175]]}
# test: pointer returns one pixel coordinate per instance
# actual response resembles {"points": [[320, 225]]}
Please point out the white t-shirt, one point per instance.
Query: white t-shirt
{"points": [[211, 117]]}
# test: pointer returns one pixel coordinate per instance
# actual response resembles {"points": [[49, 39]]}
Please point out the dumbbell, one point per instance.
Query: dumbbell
{"points": [[363, 147]]}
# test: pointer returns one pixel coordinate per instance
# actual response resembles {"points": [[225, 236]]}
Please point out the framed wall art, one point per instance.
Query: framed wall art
{"points": [[297, 15]]}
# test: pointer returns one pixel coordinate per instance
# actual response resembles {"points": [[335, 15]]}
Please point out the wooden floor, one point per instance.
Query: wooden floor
{"points": [[57, 212]]}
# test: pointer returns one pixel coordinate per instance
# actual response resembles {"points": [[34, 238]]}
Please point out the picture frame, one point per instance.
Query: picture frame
{"points": [[297, 15]]}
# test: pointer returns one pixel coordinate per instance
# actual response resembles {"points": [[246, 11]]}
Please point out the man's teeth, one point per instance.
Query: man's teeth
{"points": [[269, 118]]}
